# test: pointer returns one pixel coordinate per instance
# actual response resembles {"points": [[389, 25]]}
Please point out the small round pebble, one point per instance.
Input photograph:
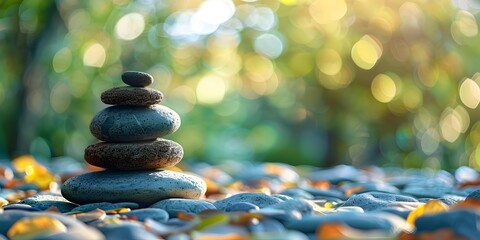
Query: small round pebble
{"points": [[242, 207], [44, 201], [126, 230], [175, 205], [104, 206], [156, 214], [132, 96], [474, 195], [464, 223], [375, 200], [260, 199], [130, 123], [137, 79], [301, 205], [144, 187], [160, 153]]}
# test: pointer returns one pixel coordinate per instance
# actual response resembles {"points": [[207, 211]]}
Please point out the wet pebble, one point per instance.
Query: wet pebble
{"points": [[474, 195], [463, 223], [156, 214], [260, 199], [376, 200], [301, 205], [159, 153], [241, 207], [137, 79], [104, 206], [44, 201], [143, 187], [132, 96], [175, 205], [126, 230], [134, 123]]}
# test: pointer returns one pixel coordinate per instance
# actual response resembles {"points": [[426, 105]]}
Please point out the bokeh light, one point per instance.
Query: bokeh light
{"points": [[319, 82], [366, 52], [130, 26]]}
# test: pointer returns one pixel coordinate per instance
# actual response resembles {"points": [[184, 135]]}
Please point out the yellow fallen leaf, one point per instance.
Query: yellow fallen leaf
{"points": [[35, 227], [34, 172], [431, 207]]}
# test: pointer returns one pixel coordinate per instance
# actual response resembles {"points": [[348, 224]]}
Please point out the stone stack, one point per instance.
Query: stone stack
{"points": [[132, 150]]}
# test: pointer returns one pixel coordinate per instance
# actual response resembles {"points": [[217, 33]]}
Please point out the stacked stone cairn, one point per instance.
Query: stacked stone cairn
{"points": [[132, 150]]}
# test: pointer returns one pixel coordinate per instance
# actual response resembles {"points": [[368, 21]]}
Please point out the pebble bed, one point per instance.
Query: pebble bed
{"points": [[250, 201]]}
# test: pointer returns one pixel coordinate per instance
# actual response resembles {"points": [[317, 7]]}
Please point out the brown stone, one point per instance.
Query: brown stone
{"points": [[132, 96], [159, 153]]}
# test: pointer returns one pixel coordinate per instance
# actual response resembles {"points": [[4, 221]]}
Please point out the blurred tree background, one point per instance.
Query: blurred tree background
{"points": [[321, 82]]}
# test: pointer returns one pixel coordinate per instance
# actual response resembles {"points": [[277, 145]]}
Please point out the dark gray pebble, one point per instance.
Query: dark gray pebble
{"points": [[474, 195], [105, 206], [44, 201], [21, 206], [129, 123], [156, 214], [159, 153], [137, 79], [297, 193], [241, 207], [175, 205], [132, 96], [144, 187], [361, 221], [375, 200], [126, 230], [260, 199], [300, 205], [464, 223]]}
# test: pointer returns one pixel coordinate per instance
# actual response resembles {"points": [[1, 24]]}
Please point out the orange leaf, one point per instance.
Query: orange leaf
{"points": [[431, 207], [353, 190], [331, 231]]}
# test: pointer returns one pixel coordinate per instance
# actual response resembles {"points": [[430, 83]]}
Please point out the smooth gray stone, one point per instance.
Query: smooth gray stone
{"points": [[104, 206], [76, 230], [44, 201], [142, 187], [132, 96], [297, 193], [463, 222], [266, 225], [309, 224], [325, 194], [451, 199], [131, 123], [20, 206], [376, 200], [474, 195], [159, 153], [282, 197], [137, 79], [260, 199], [175, 205], [126, 230], [242, 207], [156, 214], [371, 187], [300, 205]]}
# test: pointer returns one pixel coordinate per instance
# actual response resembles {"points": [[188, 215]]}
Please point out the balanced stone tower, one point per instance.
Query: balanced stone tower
{"points": [[132, 150]]}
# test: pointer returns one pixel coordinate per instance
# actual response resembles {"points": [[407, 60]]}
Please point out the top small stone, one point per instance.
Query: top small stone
{"points": [[137, 79]]}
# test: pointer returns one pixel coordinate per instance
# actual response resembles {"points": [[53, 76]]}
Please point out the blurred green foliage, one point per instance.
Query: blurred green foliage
{"points": [[319, 82]]}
